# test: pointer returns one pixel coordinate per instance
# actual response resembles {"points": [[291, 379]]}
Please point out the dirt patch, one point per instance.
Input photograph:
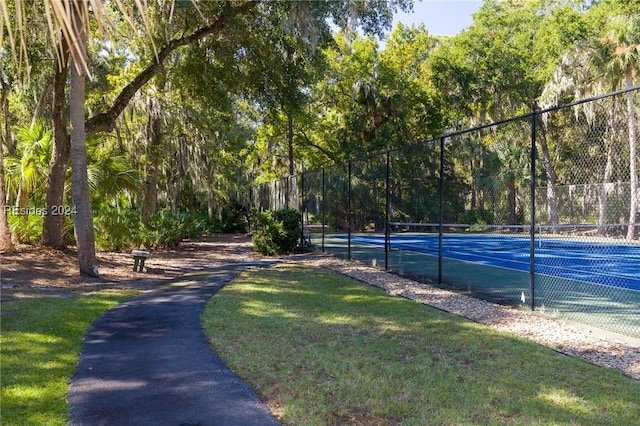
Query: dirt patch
{"points": [[35, 270]]}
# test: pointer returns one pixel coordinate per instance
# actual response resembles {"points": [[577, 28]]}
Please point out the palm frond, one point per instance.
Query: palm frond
{"points": [[59, 14]]}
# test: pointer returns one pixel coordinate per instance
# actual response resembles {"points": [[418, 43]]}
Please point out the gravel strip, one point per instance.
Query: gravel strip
{"points": [[593, 345]]}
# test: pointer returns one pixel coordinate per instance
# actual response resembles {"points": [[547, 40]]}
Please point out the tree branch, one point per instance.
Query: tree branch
{"points": [[105, 121], [328, 154]]}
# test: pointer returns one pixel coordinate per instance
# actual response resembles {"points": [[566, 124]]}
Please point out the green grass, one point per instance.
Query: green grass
{"points": [[40, 343], [322, 349]]}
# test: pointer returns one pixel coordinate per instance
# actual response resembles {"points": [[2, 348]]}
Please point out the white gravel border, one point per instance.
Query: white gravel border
{"points": [[594, 345]]}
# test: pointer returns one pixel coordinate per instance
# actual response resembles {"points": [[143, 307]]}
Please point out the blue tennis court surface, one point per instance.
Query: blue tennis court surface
{"points": [[615, 265]]}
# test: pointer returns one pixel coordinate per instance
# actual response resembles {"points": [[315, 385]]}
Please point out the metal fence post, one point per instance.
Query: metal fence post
{"points": [[349, 213], [387, 231], [324, 200], [440, 209], [302, 208], [532, 226]]}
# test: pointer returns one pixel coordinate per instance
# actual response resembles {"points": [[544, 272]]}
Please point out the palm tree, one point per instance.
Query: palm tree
{"points": [[83, 220], [26, 172], [592, 68], [622, 43], [69, 19]]}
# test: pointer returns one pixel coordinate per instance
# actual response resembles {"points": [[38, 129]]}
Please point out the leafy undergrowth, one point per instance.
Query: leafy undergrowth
{"points": [[322, 349], [41, 342]]}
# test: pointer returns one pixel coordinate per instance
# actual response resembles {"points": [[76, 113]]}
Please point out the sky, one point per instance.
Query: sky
{"points": [[440, 17]]}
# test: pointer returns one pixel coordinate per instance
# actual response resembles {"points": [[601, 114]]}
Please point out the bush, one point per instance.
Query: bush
{"points": [[234, 219], [117, 229], [477, 216], [278, 231], [167, 229], [25, 229]]}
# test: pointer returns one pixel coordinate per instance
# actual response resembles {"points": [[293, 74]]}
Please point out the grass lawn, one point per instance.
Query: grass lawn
{"points": [[40, 343], [322, 349]]}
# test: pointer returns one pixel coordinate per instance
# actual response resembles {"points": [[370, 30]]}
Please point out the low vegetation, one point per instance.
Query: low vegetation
{"points": [[323, 349], [41, 342], [278, 231]]}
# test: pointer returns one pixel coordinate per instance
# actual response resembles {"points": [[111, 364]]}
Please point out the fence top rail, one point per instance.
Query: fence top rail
{"points": [[478, 128]]}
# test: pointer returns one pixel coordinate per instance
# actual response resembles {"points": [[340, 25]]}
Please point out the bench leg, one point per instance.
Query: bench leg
{"points": [[138, 264]]}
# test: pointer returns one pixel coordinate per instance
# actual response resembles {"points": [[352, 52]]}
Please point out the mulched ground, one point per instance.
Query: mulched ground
{"points": [[34, 270]]}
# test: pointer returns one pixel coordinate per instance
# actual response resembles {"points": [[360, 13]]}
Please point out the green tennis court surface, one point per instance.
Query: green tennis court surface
{"points": [[593, 281], [615, 265]]}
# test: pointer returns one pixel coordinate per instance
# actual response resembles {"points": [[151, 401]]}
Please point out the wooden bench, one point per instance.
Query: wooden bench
{"points": [[139, 256]]}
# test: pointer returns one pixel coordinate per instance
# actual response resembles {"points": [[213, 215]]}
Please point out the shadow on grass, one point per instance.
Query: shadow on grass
{"points": [[41, 343], [323, 349]]}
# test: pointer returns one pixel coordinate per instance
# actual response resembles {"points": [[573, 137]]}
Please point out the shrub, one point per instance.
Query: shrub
{"points": [[234, 218], [25, 229], [278, 231], [164, 229], [117, 229], [167, 229], [477, 216]]}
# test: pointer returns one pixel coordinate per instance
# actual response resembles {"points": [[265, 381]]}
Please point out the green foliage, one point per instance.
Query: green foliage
{"points": [[233, 219], [477, 217], [26, 171], [295, 90], [25, 229], [117, 229], [166, 229], [121, 229], [278, 231]]}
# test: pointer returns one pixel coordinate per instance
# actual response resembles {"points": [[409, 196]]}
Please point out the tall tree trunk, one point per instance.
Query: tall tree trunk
{"points": [[154, 140], [603, 202], [512, 201], [290, 141], [552, 199], [54, 225], [5, 235], [633, 172], [6, 130], [83, 223], [42, 101]]}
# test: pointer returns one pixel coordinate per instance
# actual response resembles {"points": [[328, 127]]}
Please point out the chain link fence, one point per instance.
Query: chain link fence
{"points": [[538, 211]]}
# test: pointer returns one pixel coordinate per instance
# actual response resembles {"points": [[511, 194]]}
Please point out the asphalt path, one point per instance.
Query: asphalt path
{"points": [[147, 362]]}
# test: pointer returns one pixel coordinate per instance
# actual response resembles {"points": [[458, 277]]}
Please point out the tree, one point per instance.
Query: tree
{"points": [[606, 60], [5, 140], [26, 171], [72, 17], [53, 225], [5, 235], [69, 20], [623, 44], [83, 220], [154, 140], [498, 67]]}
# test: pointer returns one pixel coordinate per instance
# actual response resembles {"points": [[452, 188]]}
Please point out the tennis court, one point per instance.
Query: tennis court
{"points": [[616, 265], [591, 280]]}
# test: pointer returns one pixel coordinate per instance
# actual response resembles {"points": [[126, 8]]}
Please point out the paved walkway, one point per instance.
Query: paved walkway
{"points": [[147, 362]]}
